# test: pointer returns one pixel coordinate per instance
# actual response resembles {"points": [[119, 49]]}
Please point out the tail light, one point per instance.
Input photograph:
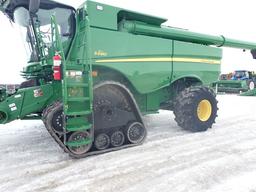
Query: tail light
{"points": [[57, 67]]}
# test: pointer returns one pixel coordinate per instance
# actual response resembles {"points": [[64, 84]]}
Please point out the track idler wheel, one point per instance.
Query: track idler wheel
{"points": [[57, 121], [54, 118], [78, 136], [117, 139], [102, 141], [136, 133]]}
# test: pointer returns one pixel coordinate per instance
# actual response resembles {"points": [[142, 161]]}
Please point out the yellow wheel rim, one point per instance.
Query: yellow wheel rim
{"points": [[204, 110]]}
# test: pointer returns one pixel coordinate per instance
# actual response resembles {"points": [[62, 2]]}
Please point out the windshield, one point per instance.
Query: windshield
{"points": [[66, 24], [22, 18]]}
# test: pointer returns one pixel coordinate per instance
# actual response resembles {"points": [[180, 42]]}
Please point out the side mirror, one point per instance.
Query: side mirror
{"points": [[34, 6]]}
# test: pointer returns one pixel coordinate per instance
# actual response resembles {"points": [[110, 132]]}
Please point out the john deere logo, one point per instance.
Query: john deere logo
{"points": [[100, 53]]}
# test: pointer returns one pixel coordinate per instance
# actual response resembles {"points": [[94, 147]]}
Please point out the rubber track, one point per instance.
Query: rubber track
{"points": [[90, 153]]}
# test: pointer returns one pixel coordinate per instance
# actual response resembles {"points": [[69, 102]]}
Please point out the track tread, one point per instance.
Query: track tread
{"points": [[128, 106]]}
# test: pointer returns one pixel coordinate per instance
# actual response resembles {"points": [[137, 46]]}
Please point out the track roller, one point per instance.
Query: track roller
{"points": [[136, 132], [117, 139], [82, 147], [102, 141]]}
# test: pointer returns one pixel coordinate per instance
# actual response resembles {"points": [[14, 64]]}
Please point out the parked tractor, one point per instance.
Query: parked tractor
{"points": [[93, 72], [237, 82]]}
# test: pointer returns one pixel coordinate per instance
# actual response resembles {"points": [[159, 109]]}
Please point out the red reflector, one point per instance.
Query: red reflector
{"points": [[57, 73], [56, 60]]}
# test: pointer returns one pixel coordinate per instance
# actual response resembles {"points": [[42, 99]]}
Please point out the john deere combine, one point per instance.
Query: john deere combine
{"points": [[93, 72]]}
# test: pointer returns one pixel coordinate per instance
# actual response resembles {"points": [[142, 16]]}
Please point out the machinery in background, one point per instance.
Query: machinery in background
{"points": [[237, 82]]}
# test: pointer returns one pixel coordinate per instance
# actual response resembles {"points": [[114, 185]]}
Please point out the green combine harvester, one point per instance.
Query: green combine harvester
{"points": [[93, 72]]}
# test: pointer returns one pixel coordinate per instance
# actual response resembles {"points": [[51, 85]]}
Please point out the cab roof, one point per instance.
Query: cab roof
{"points": [[8, 6]]}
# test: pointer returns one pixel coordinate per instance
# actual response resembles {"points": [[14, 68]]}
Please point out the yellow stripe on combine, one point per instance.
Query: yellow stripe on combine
{"points": [[160, 59]]}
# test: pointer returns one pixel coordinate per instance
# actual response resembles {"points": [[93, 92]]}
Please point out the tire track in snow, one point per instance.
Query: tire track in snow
{"points": [[180, 148], [192, 157]]}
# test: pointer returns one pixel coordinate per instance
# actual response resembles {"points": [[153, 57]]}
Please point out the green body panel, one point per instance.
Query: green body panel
{"points": [[122, 46], [29, 101], [127, 46], [200, 69], [107, 17], [131, 54]]}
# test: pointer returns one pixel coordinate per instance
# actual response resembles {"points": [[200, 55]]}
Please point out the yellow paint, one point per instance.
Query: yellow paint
{"points": [[160, 59], [204, 110], [100, 53]]}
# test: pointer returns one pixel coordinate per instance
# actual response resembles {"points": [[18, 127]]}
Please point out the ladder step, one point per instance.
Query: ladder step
{"points": [[75, 84], [78, 99], [77, 120], [69, 113], [79, 142], [78, 127], [75, 67]]}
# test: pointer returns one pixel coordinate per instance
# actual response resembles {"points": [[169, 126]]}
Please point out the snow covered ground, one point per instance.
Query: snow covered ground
{"points": [[222, 159]]}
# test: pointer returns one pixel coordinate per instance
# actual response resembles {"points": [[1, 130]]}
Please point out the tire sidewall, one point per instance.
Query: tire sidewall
{"points": [[197, 99], [186, 105], [251, 85]]}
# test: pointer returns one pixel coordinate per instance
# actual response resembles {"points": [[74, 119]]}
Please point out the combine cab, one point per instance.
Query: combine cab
{"points": [[237, 82], [93, 72]]}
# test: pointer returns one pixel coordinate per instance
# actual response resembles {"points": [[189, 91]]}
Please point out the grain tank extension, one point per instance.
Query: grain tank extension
{"points": [[92, 73]]}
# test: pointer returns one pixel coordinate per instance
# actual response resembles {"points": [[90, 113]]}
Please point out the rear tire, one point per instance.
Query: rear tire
{"points": [[251, 85], [195, 108]]}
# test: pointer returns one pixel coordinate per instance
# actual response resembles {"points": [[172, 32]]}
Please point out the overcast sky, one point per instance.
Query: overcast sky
{"points": [[233, 19]]}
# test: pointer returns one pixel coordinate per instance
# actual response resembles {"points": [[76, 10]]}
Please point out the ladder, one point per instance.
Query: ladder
{"points": [[77, 91]]}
